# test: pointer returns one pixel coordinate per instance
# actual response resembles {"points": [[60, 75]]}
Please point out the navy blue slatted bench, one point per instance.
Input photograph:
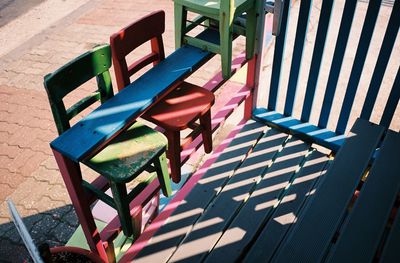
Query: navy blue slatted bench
{"points": [[318, 132]]}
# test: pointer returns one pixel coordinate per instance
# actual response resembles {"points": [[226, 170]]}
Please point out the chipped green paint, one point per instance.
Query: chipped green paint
{"points": [[125, 156]]}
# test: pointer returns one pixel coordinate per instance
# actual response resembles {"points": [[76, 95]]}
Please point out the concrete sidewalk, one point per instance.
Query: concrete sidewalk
{"points": [[28, 172]]}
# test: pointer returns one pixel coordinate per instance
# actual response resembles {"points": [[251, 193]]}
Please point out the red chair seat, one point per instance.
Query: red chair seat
{"points": [[181, 107]]}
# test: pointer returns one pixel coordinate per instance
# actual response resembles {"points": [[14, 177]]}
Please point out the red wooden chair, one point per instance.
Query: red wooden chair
{"points": [[179, 109]]}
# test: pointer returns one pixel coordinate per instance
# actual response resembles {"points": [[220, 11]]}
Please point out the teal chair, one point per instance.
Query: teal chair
{"points": [[137, 149], [224, 12]]}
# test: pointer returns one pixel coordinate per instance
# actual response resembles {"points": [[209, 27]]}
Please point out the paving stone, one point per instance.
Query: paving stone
{"points": [[5, 227], [20, 160], [50, 164], [46, 203], [10, 252], [47, 175], [12, 179], [5, 160], [34, 162], [71, 218], [60, 212], [9, 150], [63, 232], [45, 225]]}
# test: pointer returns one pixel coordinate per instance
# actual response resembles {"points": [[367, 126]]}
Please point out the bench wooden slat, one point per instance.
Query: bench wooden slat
{"points": [[315, 67], [358, 64], [301, 32], [128, 104], [361, 234], [391, 105], [337, 61], [223, 209], [382, 62], [261, 203], [303, 130], [391, 251], [277, 227], [169, 236], [312, 234], [278, 59]]}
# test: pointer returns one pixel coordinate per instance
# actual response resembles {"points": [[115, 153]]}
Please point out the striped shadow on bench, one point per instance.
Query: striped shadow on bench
{"points": [[339, 101], [247, 189]]}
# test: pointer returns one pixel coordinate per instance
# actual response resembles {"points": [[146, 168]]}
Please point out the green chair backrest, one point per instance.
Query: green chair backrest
{"points": [[94, 63]]}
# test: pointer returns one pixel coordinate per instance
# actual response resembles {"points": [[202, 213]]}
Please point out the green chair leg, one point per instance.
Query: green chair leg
{"points": [[180, 14], [122, 205], [163, 175], [251, 23], [226, 45]]}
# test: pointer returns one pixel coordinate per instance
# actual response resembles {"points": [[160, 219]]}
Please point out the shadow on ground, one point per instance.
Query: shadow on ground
{"points": [[54, 227]]}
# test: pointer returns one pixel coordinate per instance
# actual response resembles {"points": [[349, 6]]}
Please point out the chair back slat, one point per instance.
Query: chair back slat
{"points": [[301, 31], [278, 58], [150, 28], [78, 71], [358, 65], [392, 102], [343, 37], [81, 105], [383, 60], [92, 64], [320, 40]]}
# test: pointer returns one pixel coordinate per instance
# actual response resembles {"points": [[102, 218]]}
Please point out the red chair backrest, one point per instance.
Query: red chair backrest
{"points": [[149, 28]]}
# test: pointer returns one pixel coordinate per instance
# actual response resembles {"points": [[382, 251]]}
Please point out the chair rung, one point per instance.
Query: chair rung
{"points": [[199, 43], [193, 125], [101, 195], [146, 60], [195, 22], [190, 137], [141, 186], [101, 183], [150, 169], [239, 30]]}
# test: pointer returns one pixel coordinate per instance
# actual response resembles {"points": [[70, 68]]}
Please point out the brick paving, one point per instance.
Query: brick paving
{"points": [[28, 172]]}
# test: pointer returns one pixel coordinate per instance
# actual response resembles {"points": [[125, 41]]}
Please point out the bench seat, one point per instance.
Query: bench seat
{"points": [[304, 130]]}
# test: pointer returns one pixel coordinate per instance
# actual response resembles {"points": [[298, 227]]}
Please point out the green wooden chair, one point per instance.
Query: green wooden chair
{"points": [[138, 149], [223, 11]]}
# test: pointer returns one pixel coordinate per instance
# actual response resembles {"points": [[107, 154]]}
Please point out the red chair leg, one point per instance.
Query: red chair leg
{"points": [[71, 174], [205, 122], [174, 154], [156, 204]]}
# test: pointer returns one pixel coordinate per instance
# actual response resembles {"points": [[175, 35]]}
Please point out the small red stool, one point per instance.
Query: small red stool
{"points": [[181, 108]]}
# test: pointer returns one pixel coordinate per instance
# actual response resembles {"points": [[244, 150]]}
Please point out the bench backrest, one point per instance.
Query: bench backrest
{"points": [[338, 92]]}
